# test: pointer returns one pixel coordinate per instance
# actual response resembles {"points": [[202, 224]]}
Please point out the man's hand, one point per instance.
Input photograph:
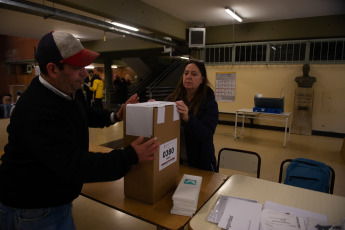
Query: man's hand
{"points": [[132, 100], [145, 150]]}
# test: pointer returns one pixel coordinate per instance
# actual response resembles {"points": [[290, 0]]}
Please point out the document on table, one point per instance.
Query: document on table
{"points": [[274, 220], [294, 211], [219, 207], [280, 217], [240, 215]]}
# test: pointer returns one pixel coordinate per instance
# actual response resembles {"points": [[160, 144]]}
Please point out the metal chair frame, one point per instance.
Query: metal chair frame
{"points": [[240, 160]]}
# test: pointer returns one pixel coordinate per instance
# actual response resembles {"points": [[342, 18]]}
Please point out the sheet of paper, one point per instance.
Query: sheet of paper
{"points": [[295, 211], [219, 207], [275, 220], [240, 215]]}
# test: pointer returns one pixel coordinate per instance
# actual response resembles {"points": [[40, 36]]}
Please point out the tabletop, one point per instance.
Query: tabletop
{"points": [[262, 190], [250, 111], [112, 195]]}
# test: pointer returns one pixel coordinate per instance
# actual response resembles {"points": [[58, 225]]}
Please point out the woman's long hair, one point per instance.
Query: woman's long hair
{"points": [[180, 92]]}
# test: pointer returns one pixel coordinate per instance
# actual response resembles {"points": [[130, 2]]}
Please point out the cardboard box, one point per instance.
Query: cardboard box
{"points": [[150, 181]]}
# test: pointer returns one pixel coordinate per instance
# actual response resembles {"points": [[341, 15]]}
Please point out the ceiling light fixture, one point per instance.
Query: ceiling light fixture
{"points": [[232, 14], [125, 26]]}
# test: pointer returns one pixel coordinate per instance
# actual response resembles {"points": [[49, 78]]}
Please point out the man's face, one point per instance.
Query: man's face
{"points": [[71, 78]]}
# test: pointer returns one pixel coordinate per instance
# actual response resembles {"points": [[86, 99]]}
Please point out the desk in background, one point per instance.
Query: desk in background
{"points": [[112, 195], [262, 190], [268, 116]]}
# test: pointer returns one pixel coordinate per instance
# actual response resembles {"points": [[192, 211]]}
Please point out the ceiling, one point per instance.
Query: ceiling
{"points": [[211, 12], [195, 12]]}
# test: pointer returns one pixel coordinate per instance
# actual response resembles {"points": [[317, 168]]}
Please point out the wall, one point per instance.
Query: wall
{"points": [[15, 49], [291, 29], [271, 80]]}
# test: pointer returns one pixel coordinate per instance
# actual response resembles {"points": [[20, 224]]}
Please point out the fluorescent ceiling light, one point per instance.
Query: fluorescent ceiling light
{"points": [[125, 26], [89, 67], [186, 58], [235, 16], [114, 66]]}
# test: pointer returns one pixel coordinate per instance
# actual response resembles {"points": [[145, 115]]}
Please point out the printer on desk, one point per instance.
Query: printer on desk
{"points": [[268, 104]]}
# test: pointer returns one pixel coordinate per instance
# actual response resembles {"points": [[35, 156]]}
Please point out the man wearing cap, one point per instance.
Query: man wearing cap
{"points": [[46, 160]]}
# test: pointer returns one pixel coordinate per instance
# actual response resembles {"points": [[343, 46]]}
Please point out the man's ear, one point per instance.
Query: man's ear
{"points": [[52, 70]]}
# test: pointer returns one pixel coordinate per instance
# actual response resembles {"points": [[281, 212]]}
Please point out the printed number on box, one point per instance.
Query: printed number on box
{"points": [[167, 153]]}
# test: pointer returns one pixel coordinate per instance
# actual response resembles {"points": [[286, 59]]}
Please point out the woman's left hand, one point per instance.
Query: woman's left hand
{"points": [[182, 108]]}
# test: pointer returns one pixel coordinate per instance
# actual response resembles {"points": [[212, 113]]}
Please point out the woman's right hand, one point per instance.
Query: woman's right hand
{"points": [[182, 108]]}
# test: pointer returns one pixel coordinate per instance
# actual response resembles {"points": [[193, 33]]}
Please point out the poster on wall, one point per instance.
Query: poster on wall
{"points": [[225, 86]]}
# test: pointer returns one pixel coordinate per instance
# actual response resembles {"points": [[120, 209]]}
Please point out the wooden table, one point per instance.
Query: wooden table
{"points": [[112, 195], [262, 190]]}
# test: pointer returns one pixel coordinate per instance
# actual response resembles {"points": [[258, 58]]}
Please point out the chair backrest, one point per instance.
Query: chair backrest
{"points": [[285, 163], [240, 160]]}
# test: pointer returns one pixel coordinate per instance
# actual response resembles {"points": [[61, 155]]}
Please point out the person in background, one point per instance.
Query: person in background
{"points": [[19, 93], [97, 88], [195, 101], [47, 157], [6, 101], [87, 84]]}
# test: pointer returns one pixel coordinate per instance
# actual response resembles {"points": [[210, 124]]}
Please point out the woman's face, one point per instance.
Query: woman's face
{"points": [[192, 78]]}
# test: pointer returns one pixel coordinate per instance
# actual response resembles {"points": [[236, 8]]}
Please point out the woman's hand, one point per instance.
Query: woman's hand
{"points": [[182, 108]]}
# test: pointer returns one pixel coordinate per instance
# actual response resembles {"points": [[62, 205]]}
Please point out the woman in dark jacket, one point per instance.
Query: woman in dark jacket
{"points": [[195, 101]]}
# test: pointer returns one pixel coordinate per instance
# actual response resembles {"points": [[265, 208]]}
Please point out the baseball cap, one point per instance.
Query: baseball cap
{"points": [[58, 46]]}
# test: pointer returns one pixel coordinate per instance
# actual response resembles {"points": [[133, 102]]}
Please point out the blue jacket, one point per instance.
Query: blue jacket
{"points": [[199, 131]]}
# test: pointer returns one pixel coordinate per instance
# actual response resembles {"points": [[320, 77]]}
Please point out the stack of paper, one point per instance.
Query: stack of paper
{"points": [[186, 195]]}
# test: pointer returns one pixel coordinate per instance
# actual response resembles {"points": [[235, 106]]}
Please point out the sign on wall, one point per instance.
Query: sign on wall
{"points": [[225, 86]]}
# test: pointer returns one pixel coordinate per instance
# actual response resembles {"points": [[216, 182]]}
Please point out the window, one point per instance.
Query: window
{"points": [[288, 52]]}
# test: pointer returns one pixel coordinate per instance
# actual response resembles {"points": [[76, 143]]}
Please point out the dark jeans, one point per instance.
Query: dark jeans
{"points": [[54, 218]]}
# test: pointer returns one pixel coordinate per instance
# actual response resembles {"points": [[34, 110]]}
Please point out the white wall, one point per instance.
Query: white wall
{"points": [[270, 80]]}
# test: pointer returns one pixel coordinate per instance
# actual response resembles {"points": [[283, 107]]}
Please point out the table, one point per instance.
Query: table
{"points": [[262, 190], [112, 195], [268, 116]]}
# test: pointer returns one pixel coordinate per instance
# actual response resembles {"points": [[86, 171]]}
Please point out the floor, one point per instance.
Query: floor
{"points": [[89, 214]]}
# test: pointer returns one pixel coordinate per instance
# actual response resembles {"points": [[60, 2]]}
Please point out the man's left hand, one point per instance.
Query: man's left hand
{"points": [[132, 100]]}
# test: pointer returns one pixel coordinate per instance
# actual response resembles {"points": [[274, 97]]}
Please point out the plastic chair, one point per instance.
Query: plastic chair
{"points": [[240, 160], [284, 165]]}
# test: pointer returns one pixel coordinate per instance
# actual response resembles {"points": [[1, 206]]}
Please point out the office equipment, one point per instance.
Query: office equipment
{"points": [[262, 190], [272, 105], [240, 160], [286, 116], [285, 164], [197, 37]]}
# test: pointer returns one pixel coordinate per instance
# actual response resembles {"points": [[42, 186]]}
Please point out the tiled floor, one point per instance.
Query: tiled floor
{"points": [[89, 214]]}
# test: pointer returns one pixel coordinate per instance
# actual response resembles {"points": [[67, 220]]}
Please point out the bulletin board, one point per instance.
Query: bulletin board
{"points": [[225, 86]]}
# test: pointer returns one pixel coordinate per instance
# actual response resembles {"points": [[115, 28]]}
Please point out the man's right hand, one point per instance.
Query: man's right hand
{"points": [[145, 150]]}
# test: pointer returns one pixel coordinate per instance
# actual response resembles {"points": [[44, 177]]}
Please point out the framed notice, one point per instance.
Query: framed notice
{"points": [[225, 86]]}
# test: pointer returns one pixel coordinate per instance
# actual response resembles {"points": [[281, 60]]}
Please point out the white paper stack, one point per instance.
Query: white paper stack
{"points": [[186, 195]]}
